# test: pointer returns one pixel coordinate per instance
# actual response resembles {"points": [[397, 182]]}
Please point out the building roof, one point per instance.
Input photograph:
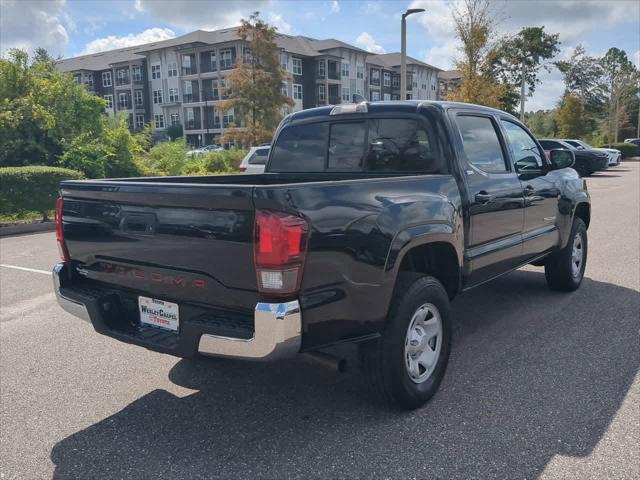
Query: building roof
{"points": [[391, 60], [450, 75], [299, 45], [330, 43], [99, 61]]}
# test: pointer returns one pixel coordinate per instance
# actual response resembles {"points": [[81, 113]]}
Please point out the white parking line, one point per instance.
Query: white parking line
{"points": [[34, 270]]}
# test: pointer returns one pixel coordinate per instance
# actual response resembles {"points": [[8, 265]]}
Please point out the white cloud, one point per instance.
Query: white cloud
{"points": [[367, 42], [30, 24], [194, 15], [111, 42], [279, 22], [335, 6]]}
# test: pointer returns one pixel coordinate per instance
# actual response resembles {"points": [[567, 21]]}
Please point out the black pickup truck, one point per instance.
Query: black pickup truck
{"points": [[369, 220]]}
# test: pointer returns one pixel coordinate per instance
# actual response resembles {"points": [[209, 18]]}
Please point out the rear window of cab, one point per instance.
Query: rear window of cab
{"points": [[359, 145]]}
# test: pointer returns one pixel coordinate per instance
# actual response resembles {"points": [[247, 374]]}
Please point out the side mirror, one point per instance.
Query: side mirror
{"points": [[561, 159]]}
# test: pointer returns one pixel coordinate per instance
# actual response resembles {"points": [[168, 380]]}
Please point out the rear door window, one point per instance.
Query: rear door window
{"points": [[481, 143], [300, 148], [346, 145]]}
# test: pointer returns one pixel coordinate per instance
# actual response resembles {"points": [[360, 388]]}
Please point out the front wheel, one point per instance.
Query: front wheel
{"points": [[405, 366], [564, 270]]}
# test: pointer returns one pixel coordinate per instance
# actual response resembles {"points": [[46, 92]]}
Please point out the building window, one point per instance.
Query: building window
{"points": [[109, 100], [157, 96], [322, 69], [360, 70], [297, 66], [77, 79], [124, 101], [213, 61], [173, 94], [190, 118], [139, 121], [227, 118], [226, 58], [137, 73], [297, 91], [155, 71], [214, 90], [387, 96], [344, 70], [175, 119], [283, 62], [172, 69], [87, 79], [284, 90], [122, 76], [396, 81], [374, 77], [106, 79], [322, 93], [187, 92], [346, 96], [387, 79], [138, 98], [159, 120], [375, 96]]}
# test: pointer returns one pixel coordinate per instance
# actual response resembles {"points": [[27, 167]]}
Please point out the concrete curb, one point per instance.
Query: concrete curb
{"points": [[27, 228]]}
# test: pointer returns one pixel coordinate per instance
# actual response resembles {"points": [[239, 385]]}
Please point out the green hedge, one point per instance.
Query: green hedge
{"points": [[31, 189], [627, 149]]}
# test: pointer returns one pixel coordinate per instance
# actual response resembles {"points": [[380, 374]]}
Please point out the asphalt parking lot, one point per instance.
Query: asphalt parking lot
{"points": [[540, 385]]}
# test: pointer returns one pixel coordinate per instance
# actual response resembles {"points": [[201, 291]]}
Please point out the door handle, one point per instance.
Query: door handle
{"points": [[483, 197]]}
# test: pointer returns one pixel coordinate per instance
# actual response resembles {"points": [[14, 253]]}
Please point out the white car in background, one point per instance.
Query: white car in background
{"points": [[255, 160], [615, 156], [204, 150]]}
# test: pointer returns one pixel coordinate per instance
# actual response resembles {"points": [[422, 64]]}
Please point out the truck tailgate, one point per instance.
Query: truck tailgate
{"points": [[180, 242]]}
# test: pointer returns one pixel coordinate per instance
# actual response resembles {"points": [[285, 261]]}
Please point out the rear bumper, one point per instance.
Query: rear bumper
{"points": [[276, 333]]}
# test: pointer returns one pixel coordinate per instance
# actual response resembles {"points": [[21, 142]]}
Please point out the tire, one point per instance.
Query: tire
{"points": [[561, 270], [385, 362]]}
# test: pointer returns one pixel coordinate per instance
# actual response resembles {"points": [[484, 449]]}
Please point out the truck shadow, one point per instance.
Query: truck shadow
{"points": [[533, 374]]}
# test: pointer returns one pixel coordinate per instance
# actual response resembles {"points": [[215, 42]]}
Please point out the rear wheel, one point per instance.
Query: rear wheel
{"points": [[405, 366], [565, 269]]}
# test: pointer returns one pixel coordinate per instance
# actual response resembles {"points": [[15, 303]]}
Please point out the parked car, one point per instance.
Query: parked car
{"points": [[369, 220], [204, 150], [586, 162], [255, 160], [635, 141], [614, 155]]}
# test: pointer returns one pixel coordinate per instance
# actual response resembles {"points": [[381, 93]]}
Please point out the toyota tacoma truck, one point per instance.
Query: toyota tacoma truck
{"points": [[369, 219]]}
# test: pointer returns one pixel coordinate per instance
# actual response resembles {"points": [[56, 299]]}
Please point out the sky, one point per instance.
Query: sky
{"points": [[75, 27]]}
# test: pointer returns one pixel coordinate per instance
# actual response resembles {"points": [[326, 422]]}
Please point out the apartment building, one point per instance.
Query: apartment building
{"points": [[181, 81], [120, 77]]}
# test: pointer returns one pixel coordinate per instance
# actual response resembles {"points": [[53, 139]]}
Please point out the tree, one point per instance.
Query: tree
{"points": [[475, 25], [583, 77], [255, 87], [174, 131], [570, 117], [621, 84], [517, 60], [41, 110]]}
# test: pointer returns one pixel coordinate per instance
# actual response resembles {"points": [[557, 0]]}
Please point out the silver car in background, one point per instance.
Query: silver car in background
{"points": [[615, 156]]}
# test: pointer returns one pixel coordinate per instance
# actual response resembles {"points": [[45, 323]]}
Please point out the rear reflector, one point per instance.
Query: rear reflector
{"points": [[243, 169], [62, 246], [280, 246]]}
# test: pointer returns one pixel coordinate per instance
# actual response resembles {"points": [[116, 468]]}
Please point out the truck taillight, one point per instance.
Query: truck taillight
{"points": [[280, 245], [62, 246]]}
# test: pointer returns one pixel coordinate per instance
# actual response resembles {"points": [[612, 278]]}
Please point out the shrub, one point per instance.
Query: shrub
{"points": [[227, 161], [32, 188], [627, 149], [166, 157]]}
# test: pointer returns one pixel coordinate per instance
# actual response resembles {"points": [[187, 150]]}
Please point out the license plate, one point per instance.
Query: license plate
{"points": [[158, 313]]}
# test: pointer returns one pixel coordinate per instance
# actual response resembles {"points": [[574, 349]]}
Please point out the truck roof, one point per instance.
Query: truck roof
{"points": [[396, 106]]}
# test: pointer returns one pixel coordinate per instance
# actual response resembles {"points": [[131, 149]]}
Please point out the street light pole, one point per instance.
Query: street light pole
{"points": [[403, 51]]}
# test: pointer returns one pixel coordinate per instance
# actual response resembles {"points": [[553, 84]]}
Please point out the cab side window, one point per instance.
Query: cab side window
{"points": [[526, 154], [481, 143]]}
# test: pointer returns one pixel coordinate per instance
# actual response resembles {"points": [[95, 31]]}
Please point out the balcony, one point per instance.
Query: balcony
{"points": [[333, 71]]}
